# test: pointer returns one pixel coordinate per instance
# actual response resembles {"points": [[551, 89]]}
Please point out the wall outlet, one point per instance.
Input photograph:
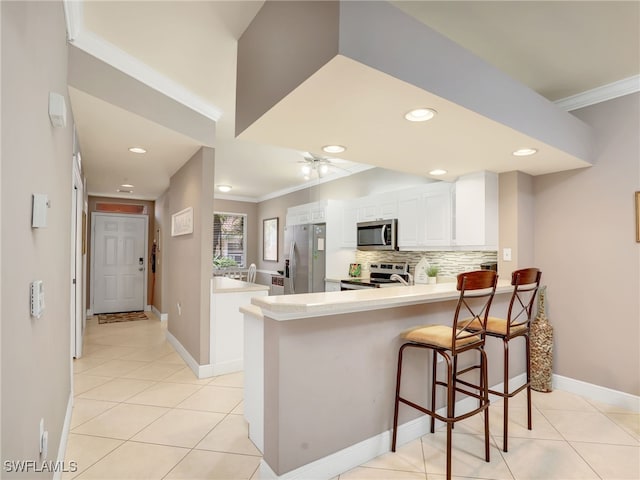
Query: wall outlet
{"points": [[506, 254]]}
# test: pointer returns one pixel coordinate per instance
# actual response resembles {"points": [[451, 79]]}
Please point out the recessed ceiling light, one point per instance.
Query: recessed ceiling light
{"points": [[137, 150], [126, 185], [524, 152], [224, 188], [420, 114], [334, 148], [437, 171]]}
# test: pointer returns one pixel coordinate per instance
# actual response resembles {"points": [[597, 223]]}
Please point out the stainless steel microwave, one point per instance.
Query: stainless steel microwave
{"points": [[378, 235]]}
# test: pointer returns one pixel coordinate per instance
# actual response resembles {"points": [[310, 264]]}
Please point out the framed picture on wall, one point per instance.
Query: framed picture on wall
{"points": [[270, 239], [182, 222]]}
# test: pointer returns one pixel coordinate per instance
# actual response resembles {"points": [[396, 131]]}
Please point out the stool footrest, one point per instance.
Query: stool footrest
{"points": [[426, 411], [510, 394]]}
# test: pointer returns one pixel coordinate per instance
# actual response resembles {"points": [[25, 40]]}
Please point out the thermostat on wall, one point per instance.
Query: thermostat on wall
{"points": [[39, 212]]}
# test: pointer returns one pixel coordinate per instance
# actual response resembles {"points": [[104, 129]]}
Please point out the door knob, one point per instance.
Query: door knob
{"points": [[141, 269]]}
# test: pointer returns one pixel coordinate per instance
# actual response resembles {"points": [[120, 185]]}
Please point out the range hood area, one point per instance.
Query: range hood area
{"points": [[311, 74]]}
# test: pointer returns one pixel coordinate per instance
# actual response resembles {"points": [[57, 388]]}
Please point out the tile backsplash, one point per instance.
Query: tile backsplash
{"points": [[450, 262]]}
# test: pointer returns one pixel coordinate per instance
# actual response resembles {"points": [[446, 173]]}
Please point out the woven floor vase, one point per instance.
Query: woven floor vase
{"points": [[541, 348]]}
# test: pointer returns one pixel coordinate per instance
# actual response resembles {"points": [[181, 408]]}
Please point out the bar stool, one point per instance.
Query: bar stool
{"points": [[476, 294], [517, 324]]}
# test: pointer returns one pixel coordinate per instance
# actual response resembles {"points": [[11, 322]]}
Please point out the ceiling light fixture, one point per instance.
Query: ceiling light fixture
{"points": [[420, 114], [126, 185], [438, 171], [122, 190], [525, 152], [224, 188], [137, 150], [313, 163], [334, 148]]}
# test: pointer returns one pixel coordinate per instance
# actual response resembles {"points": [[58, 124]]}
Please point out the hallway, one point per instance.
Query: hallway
{"points": [[141, 413]]}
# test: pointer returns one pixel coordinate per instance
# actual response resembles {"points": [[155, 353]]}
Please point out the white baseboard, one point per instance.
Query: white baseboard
{"points": [[204, 371], [147, 308], [89, 312], [598, 393], [162, 316], [362, 452], [186, 356], [64, 438]]}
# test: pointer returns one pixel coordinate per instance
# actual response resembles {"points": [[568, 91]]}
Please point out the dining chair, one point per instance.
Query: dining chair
{"points": [[251, 274]]}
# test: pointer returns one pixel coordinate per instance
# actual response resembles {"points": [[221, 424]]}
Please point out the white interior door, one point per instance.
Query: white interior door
{"points": [[119, 263]]}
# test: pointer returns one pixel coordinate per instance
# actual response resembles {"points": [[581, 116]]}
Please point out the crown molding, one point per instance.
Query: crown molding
{"points": [[73, 18], [600, 94], [110, 54], [356, 168], [235, 198]]}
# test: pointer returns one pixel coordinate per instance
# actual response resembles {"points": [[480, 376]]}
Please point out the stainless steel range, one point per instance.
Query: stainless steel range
{"points": [[380, 277]]}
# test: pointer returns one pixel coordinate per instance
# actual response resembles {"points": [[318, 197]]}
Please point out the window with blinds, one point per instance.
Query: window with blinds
{"points": [[229, 239]]}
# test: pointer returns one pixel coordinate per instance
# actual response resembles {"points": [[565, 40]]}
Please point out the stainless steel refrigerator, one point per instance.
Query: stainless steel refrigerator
{"points": [[304, 257]]}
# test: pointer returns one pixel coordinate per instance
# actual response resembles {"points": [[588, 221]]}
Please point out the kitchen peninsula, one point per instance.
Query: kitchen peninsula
{"points": [[322, 373]]}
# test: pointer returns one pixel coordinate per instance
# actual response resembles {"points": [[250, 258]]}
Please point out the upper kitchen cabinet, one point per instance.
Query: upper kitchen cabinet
{"points": [[378, 207], [366, 209], [476, 212], [315, 212], [424, 217]]}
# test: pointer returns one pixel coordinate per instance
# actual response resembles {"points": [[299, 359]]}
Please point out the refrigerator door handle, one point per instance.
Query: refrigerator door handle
{"points": [[292, 270]]}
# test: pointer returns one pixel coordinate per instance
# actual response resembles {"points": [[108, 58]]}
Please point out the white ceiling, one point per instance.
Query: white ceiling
{"points": [[556, 48]]}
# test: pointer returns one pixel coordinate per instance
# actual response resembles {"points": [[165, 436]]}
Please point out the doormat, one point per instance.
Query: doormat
{"points": [[121, 317]]}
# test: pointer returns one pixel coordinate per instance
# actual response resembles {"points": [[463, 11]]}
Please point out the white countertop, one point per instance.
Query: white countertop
{"points": [[229, 285], [306, 305]]}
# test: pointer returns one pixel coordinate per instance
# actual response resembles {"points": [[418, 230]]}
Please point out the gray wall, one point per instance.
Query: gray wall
{"points": [[283, 57], [36, 158], [585, 245], [190, 265]]}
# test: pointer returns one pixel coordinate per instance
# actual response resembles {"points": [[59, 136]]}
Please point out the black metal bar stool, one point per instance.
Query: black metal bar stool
{"points": [[476, 293], [525, 283]]}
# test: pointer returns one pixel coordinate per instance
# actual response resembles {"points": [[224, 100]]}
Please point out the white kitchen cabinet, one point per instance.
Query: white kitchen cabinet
{"points": [[476, 211], [308, 213], [424, 217], [377, 207], [349, 221]]}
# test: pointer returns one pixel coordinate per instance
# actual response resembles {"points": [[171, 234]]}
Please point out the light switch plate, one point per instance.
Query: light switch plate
{"points": [[506, 254]]}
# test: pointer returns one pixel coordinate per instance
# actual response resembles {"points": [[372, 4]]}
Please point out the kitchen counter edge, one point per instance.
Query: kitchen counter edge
{"points": [[230, 285], [308, 305]]}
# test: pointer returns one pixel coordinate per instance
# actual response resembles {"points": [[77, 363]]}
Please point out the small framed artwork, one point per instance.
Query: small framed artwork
{"points": [[270, 239], [638, 217], [182, 222]]}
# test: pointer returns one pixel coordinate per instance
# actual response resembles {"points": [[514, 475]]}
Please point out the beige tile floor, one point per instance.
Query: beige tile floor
{"points": [[140, 413]]}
